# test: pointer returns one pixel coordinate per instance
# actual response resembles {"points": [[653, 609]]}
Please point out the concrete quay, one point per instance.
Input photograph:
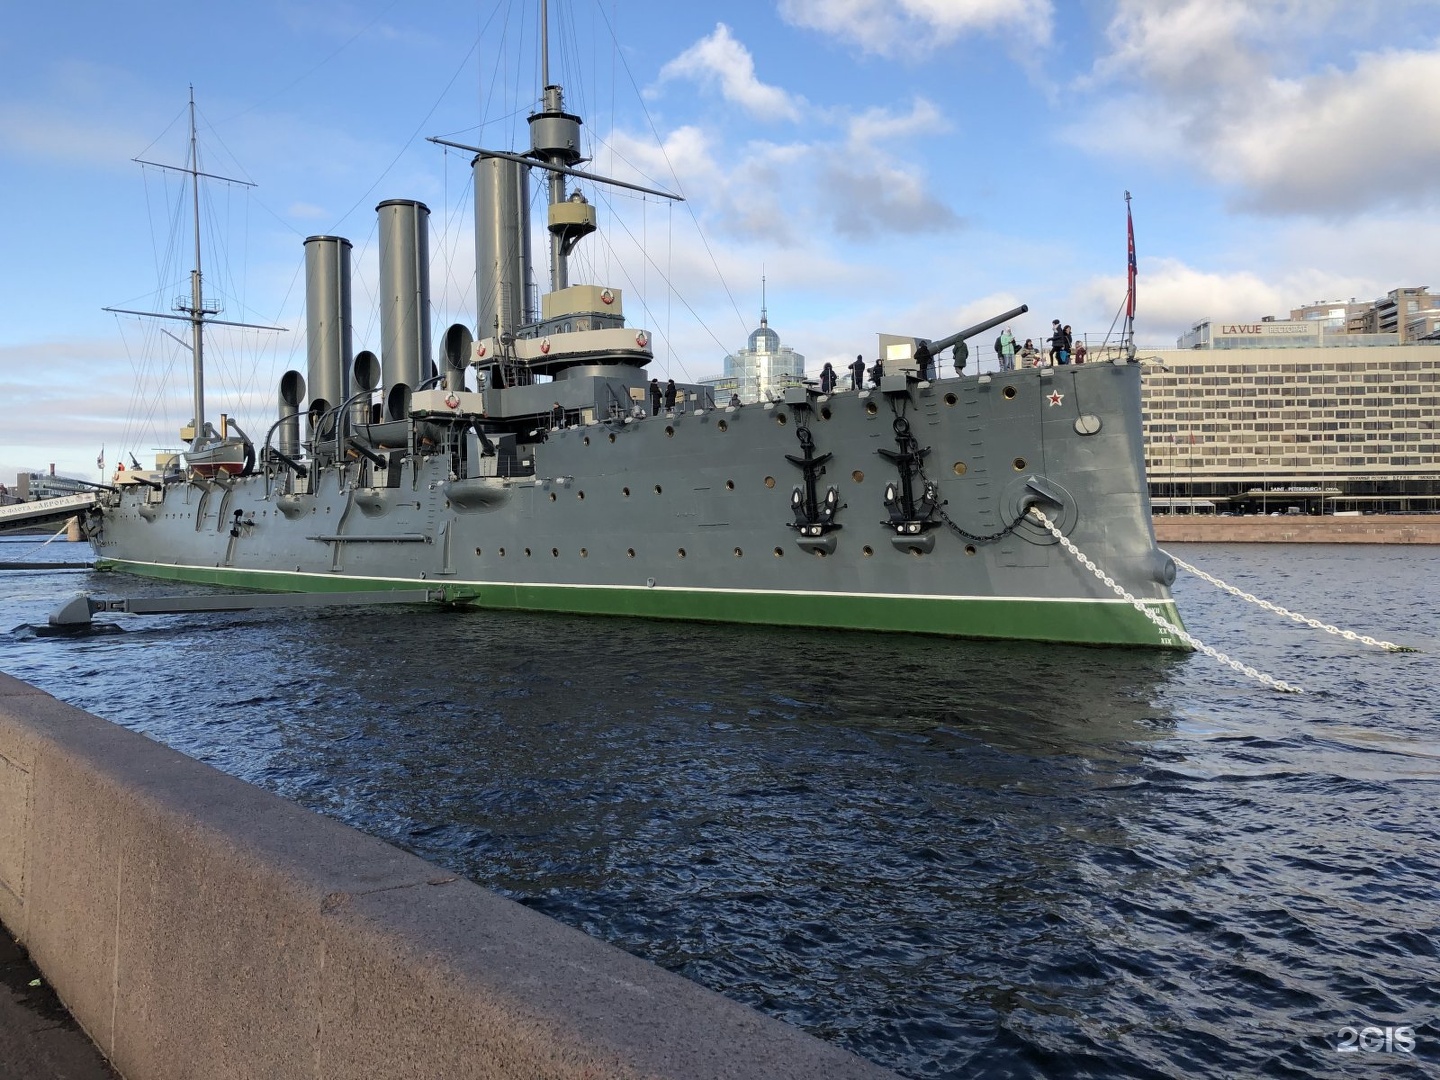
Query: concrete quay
{"points": [[196, 926], [1296, 529]]}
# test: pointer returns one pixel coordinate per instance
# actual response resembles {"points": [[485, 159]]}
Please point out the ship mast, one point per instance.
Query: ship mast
{"points": [[555, 140], [195, 310]]}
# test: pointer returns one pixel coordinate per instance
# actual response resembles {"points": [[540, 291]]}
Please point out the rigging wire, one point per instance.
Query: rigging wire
{"points": [[674, 175]]}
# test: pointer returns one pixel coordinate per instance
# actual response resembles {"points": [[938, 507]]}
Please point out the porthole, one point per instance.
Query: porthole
{"points": [[960, 468], [586, 440], [951, 399], [681, 553], [825, 412], [657, 489], [738, 553], [1010, 392], [729, 485], [779, 553], [552, 496], [969, 549], [871, 408], [669, 432], [625, 492], [477, 553], [502, 553], [584, 553], [780, 419], [554, 553], [527, 553], [580, 495], [867, 551], [858, 476], [769, 481], [1019, 464], [612, 436], [630, 552]]}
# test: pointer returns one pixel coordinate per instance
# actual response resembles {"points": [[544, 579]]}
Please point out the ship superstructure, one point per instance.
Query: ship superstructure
{"points": [[527, 462]]}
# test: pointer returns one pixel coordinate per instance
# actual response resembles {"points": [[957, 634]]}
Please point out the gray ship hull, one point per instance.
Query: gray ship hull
{"points": [[689, 516]]}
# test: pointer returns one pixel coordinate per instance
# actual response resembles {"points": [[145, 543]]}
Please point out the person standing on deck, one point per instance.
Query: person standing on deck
{"points": [[1007, 350], [857, 373], [827, 378], [654, 397], [669, 395]]}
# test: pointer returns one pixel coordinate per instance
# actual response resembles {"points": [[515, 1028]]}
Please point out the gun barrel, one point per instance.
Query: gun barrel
{"points": [[979, 328]]}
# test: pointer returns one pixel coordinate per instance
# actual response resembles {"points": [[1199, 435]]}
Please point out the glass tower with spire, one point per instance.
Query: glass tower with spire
{"points": [[763, 368]]}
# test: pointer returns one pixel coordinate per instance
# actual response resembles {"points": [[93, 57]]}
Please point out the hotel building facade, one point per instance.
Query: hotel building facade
{"points": [[1323, 429]]}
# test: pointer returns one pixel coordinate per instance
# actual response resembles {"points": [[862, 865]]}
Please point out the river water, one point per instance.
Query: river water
{"points": [[955, 859]]}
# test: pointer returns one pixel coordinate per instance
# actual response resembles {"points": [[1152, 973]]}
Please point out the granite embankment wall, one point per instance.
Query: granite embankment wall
{"points": [[1293, 529], [200, 927]]}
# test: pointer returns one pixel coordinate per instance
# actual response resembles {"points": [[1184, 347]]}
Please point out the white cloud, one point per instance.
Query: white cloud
{"points": [[878, 124], [1237, 90], [1340, 142], [720, 59], [901, 27]]}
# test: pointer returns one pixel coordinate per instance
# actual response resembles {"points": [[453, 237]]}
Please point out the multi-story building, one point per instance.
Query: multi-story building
{"points": [[30, 486], [1254, 429], [762, 369]]}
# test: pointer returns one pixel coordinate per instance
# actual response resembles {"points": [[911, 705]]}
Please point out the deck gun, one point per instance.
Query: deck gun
{"points": [[926, 350]]}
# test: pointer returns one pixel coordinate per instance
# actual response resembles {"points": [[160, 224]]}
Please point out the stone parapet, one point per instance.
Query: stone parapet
{"points": [[200, 927], [1293, 529]]}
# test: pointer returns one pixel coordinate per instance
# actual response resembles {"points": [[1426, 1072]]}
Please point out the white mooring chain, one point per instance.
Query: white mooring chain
{"points": [[1164, 625], [1314, 624]]}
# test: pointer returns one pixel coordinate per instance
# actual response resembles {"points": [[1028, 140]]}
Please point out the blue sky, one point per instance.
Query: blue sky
{"points": [[898, 166]]}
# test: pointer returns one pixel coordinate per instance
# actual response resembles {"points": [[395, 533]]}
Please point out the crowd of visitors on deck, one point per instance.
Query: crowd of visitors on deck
{"points": [[1063, 349]]}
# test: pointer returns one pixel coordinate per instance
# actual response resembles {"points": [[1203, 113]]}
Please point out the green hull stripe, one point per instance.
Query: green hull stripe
{"points": [[1089, 622]]}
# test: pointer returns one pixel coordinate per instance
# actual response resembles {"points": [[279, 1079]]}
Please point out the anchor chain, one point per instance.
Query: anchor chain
{"points": [[965, 533], [1154, 617], [1314, 624]]}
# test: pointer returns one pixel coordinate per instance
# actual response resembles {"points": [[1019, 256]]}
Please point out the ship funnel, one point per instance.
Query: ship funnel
{"points": [[327, 321], [455, 351], [502, 246], [292, 392], [404, 300], [364, 375]]}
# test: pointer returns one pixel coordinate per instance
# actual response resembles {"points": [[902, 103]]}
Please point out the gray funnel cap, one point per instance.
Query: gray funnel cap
{"points": [[502, 246], [404, 300], [327, 320]]}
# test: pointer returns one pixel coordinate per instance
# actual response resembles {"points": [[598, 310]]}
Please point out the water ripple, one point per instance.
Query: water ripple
{"points": [[956, 859]]}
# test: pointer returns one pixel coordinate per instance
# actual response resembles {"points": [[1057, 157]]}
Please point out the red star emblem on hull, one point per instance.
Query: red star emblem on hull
{"points": [[1056, 397]]}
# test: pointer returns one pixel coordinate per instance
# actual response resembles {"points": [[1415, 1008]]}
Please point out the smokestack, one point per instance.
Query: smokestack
{"points": [[404, 300], [327, 321], [502, 246]]}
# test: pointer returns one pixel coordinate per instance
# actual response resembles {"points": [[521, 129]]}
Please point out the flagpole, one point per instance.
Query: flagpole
{"points": [[1129, 281]]}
